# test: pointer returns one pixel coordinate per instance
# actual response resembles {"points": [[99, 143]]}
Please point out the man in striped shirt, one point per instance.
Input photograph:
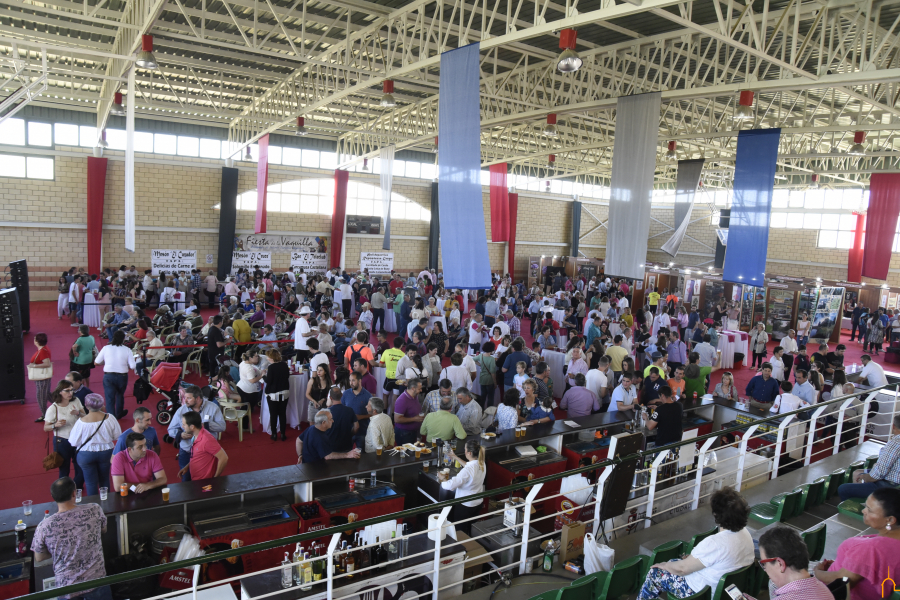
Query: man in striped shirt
{"points": [[885, 473]]}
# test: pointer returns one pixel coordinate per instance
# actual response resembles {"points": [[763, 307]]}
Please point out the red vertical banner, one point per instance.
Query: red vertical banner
{"points": [[341, 178], [262, 184], [513, 214], [96, 194], [884, 208], [499, 204], [855, 258]]}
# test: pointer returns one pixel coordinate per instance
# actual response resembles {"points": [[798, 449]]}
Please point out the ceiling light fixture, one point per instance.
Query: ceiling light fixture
{"points": [[247, 155], [551, 162], [117, 109], [145, 58], [365, 166], [550, 126], [670, 153], [814, 181], [857, 148], [301, 127], [547, 186], [744, 111], [103, 143], [568, 61], [387, 97]]}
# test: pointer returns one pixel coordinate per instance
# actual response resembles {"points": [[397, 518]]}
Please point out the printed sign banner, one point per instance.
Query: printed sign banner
{"points": [[172, 260], [377, 262], [313, 263], [827, 313], [248, 260], [280, 243]]}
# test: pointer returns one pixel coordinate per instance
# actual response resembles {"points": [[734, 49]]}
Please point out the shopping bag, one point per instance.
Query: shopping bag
{"points": [[576, 488], [597, 556]]}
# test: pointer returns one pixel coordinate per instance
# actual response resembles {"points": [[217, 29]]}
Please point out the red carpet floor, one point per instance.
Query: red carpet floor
{"points": [[23, 446]]}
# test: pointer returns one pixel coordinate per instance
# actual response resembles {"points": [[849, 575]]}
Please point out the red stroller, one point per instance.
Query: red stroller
{"points": [[166, 379]]}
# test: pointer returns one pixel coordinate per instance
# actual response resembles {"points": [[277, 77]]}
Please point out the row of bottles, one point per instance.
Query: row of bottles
{"points": [[304, 569]]}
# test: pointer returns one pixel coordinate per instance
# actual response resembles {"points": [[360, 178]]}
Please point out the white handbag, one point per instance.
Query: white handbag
{"points": [[39, 374]]}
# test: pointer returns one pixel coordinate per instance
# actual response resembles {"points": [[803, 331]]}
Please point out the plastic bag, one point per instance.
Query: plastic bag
{"points": [[576, 488], [597, 556]]}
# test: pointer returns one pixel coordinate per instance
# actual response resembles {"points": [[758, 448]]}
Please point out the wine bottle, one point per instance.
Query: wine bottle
{"points": [[342, 558], [381, 557], [363, 557], [317, 567], [307, 573], [351, 562]]}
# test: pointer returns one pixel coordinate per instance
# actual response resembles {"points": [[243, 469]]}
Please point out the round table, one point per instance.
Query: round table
{"points": [[556, 361], [559, 315], [91, 312]]}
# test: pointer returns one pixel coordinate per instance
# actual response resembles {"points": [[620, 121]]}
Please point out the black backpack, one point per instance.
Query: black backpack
{"points": [[141, 390], [354, 354]]}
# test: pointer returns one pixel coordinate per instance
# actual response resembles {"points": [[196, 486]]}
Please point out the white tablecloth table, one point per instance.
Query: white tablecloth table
{"points": [[559, 315], [433, 320], [556, 361], [91, 313], [339, 305], [297, 406], [440, 304], [846, 323], [614, 329], [390, 320], [741, 344], [726, 349], [179, 301]]}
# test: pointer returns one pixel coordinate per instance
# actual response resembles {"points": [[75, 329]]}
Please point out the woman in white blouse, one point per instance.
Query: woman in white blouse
{"points": [[117, 360], [61, 415], [94, 436], [248, 386], [470, 480]]}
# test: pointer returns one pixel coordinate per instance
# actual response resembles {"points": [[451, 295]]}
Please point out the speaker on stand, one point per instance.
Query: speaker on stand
{"points": [[12, 359], [18, 271]]}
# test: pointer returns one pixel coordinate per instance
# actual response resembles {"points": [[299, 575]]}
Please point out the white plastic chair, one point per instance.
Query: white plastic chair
{"points": [[236, 411]]}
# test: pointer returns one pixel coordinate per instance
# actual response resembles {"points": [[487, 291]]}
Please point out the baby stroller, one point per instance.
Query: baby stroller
{"points": [[166, 379]]}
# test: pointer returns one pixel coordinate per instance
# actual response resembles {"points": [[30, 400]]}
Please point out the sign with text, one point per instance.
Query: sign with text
{"points": [[172, 260], [248, 260], [313, 263], [280, 243], [376, 262]]}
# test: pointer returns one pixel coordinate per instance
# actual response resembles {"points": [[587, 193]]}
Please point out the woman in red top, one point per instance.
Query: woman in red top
{"points": [[41, 360]]}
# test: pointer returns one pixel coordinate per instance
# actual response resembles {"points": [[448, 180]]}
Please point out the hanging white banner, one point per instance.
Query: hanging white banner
{"points": [[169, 261], [280, 243], [377, 262], [312, 263], [249, 260]]}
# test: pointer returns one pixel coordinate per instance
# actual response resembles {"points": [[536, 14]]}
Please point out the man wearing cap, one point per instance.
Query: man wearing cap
{"points": [[301, 334], [658, 360]]}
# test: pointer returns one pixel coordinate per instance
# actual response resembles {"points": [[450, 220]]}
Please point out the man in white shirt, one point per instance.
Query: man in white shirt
{"points": [[624, 396], [789, 343], [468, 361], [346, 298], [457, 373], [301, 334], [659, 321], [778, 370], [872, 373], [803, 389], [597, 379], [708, 355], [787, 401]]}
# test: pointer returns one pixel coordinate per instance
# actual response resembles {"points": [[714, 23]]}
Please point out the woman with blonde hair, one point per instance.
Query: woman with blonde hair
{"points": [[726, 388], [248, 386], [61, 415]]}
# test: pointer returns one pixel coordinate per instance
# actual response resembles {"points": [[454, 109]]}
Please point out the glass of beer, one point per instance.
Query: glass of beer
{"points": [[378, 449], [418, 452], [425, 465], [165, 492]]}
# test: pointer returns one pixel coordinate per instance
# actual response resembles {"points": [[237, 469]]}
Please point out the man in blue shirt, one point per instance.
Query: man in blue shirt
{"points": [[405, 310], [142, 421], [763, 389], [357, 398], [804, 389], [344, 423], [78, 388], [509, 367], [693, 319], [593, 331], [313, 444]]}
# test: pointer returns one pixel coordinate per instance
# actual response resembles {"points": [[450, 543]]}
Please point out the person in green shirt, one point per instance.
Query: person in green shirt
{"points": [[694, 378], [442, 424], [83, 354], [390, 358], [398, 301]]}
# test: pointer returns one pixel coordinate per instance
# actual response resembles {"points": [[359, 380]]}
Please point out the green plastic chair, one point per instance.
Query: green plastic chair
{"points": [[745, 578], [856, 465], [834, 482], [852, 508], [815, 540], [773, 512], [625, 578], [662, 553], [583, 588], [870, 462], [798, 505], [699, 538], [704, 594], [813, 493]]}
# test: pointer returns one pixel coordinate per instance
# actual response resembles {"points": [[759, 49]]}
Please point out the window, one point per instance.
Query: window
{"points": [[88, 136], [188, 146], [164, 144], [837, 230], [66, 135], [316, 196], [31, 167], [13, 132], [116, 139], [40, 134], [210, 148]]}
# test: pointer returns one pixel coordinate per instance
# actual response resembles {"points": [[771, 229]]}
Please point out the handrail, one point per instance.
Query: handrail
{"points": [[412, 512]]}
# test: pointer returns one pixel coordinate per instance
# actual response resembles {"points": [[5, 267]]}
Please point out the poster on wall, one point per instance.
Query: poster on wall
{"points": [[715, 291], [280, 243], [534, 270], [249, 260], [312, 263], [759, 307], [747, 296], [168, 261], [781, 309], [376, 262], [827, 313]]}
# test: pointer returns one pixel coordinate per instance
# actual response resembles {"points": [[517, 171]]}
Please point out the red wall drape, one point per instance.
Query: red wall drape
{"points": [[341, 178], [513, 214], [262, 184], [96, 194], [499, 204], [884, 208], [855, 258]]}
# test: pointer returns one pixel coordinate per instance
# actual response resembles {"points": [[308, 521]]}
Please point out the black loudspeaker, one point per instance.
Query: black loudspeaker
{"points": [[18, 271], [12, 360], [619, 484]]}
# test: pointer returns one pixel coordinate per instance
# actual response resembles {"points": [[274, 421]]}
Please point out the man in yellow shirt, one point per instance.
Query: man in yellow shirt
{"points": [[616, 353], [653, 299], [241, 328], [390, 358]]}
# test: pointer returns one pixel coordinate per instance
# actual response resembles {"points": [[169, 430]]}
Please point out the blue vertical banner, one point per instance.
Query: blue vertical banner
{"points": [[464, 250], [748, 230]]}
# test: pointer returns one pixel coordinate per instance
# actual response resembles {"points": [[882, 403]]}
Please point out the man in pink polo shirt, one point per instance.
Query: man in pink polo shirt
{"points": [[137, 467], [208, 459]]}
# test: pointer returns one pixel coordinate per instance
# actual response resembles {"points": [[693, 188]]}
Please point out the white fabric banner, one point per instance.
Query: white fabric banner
{"points": [[170, 261], [129, 161], [312, 263], [248, 260], [376, 262], [633, 167], [686, 183], [387, 181]]}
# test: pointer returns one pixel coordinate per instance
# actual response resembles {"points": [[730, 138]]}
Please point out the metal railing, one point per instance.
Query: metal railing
{"points": [[758, 429]]}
